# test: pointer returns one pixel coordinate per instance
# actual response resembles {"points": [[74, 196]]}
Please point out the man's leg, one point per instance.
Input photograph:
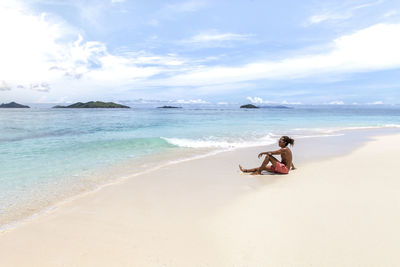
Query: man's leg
{"points": [[267, 160], [263, 166], [272, 159], [247, 170]]}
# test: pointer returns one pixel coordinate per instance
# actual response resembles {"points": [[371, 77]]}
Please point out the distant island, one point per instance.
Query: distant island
{"points": [[269, 106], [13, 105], [169, 107], [93, 104], [248, 106], [279, 106]]}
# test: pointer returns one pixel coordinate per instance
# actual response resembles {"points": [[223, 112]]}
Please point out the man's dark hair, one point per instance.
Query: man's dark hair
{"points": [[288, 140]]}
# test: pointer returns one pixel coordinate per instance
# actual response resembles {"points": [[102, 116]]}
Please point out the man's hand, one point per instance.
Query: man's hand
{"points": [[260, 155]]}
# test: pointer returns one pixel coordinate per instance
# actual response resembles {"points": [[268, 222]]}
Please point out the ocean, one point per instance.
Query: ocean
{"points": [[48, 155]]}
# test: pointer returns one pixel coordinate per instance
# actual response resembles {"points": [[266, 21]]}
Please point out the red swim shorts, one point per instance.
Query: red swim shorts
{"points": [[280, 168]]}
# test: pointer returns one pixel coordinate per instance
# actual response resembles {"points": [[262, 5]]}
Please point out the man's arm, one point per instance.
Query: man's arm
{"points": [[276, 152]]}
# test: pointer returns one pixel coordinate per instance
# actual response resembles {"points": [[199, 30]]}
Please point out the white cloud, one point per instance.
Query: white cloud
{"points": [[255, 100], [391, 13], [39, 49], [328, 16], [29, 45], [370, 49], [376, 103], [216, 37], [41, 87], [258, 100], [336, 103], [146, 58], [117, 1], [191, 101], [342, 12], [368, 4], [4, 86]]}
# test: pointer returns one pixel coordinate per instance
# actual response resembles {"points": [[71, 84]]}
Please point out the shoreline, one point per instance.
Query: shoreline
{"points": [[363, 134], [205, 212]]}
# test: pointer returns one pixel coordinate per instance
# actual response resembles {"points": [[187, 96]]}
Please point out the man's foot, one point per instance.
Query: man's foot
{"points": [[242, 169]]}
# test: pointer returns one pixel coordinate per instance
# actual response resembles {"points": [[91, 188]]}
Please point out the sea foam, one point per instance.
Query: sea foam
{"points": [[221, 143]]}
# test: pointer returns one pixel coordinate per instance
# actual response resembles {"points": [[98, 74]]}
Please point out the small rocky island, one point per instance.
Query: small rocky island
{"points": [[13, 105], [268, 106], [248, 106], [278, 107], [169, 107], [93, 104]]}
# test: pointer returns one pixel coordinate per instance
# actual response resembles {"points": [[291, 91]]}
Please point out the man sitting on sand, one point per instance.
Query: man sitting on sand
{"points": [[276, 166]]}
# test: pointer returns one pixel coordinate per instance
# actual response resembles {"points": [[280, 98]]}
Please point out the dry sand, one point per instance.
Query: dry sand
{"points": [[340, 211]]}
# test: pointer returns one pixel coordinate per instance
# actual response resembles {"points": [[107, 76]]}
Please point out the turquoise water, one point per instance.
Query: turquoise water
{"points": [[46, 152]]}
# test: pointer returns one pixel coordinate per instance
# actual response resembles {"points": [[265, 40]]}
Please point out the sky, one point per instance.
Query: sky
{"points": [[200, 51]]}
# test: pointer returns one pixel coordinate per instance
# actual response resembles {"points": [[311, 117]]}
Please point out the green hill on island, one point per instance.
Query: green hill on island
{"points": [[169, 107], [93, 104], [276, 106], [248, 106], [13, 105], [268, 106]]}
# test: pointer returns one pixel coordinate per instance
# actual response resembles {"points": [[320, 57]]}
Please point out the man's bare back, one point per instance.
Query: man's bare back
{"points": [[286, 155]]}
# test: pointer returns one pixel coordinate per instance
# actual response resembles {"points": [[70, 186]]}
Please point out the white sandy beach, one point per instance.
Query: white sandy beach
{"points": [[341, 211]]}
